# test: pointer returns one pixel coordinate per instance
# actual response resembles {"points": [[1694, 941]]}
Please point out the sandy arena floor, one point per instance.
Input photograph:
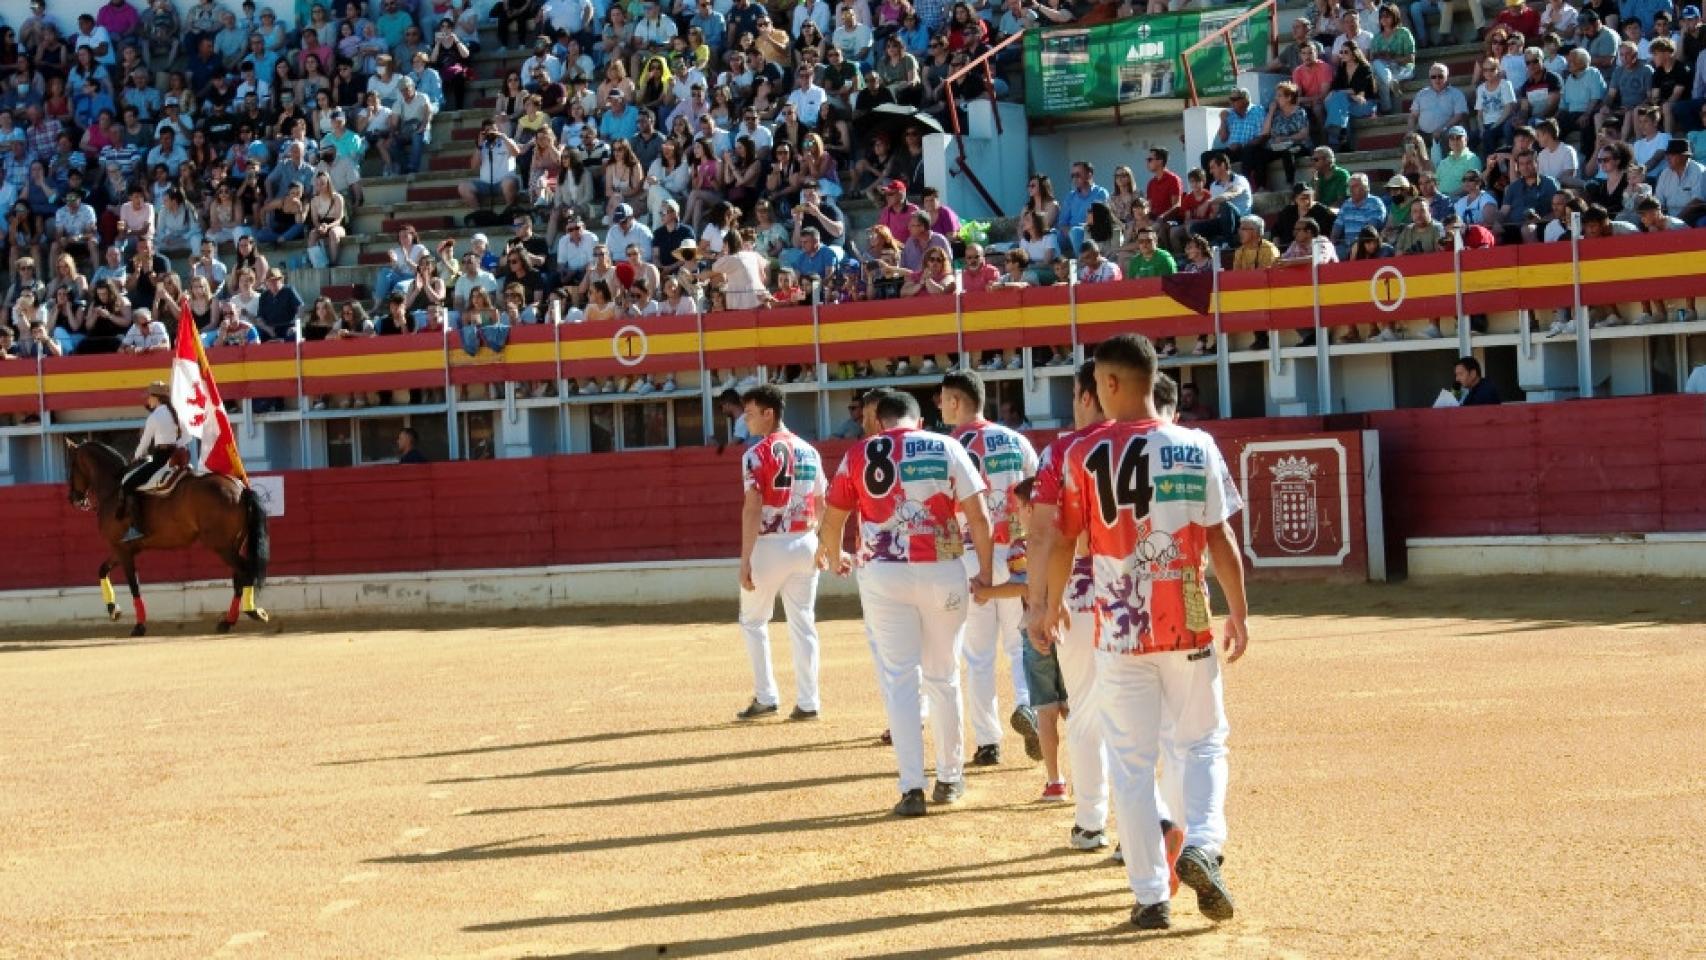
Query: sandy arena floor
{"points": [[1504, 769]]}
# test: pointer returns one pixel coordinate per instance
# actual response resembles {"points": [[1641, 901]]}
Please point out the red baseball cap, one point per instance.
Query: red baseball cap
{"points": [[895, 186]]}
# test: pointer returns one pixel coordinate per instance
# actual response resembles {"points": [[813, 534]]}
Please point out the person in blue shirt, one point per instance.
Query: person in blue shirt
{"points": [[620, 120], [87, 105], [1075, 204], [813, 258]]}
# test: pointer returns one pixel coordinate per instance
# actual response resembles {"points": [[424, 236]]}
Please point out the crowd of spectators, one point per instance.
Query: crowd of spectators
{"points": [[696, 155]]}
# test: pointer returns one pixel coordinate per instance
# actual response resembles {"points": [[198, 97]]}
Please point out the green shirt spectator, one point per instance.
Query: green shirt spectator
{"points": [[1158, 263], [1456, 162], [1332, 185]]}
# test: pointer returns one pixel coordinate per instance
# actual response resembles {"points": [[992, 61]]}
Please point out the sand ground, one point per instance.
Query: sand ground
{"points": [[1477, 769]]}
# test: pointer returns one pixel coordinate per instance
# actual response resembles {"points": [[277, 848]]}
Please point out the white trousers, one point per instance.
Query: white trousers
{"points": [[1137, 694], [1076, 652], [991, 627], [782, 565], [916, 613]]}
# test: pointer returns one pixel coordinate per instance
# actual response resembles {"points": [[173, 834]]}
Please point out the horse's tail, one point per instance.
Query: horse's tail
{"points": [[260, 546]]}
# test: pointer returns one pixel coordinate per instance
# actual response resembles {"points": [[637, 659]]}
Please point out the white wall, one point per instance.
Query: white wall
{"points": [[1000, 161]]}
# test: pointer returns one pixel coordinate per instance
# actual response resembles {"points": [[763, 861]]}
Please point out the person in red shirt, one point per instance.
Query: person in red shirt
{"points": [[977, 273], [1313, 79], [1153, 500], [1164, 189], [783, 483], [1519, 16], [909, 487]]}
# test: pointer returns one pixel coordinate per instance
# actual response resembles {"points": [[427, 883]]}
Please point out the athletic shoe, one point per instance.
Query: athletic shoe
{"points": [[754, 710], [1609, 320], [1173, 839], [1054, 792], [1201, 873], [1017, 363], [668, 384], [1557, 327], [591, 388], [645, 386], [987, 755], [1024, 721], [1641, 320], [1201, 348], [911, 804], [1083, 839], [949, 791], [989, 365], [901, 369], [928, 366], [1156, 916], [609, 385], [1431, 331], [800, 713]]}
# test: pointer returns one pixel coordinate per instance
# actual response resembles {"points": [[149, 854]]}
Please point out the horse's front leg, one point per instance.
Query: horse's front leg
{"points": [[107, 590]]}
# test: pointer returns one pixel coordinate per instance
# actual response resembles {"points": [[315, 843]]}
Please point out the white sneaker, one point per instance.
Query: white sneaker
{"points": [[989, 365], [591, 389], [609, 385], [928, 366], [1384, 336], [1431, 332], [901, 369], [1639, 321], [1017, 363], [1558, 327], [668, 384], [747, 383], [319, 405], [1609, 320], [806, 376], [645, 386]]}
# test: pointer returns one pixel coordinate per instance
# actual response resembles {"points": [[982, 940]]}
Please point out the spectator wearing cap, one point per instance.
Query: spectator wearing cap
{"points": [[1437, 107], [1360, 210], [1681, 186], [1455, 161], [1242, 134], [175, 120], [1303, 206], [896, 212], [620, 120], [1476, 206], [1527, 200], [625, 230], [1400, 199]]}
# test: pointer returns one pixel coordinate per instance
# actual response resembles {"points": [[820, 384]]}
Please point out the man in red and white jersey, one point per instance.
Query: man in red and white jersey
{"points": [[784, 482], [1076, 646], [909, 487], [1154, 500], [1004, 458]]}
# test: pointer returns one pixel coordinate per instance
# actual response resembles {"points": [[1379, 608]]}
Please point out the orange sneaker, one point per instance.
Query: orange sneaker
{"points": [[1173, 838]]}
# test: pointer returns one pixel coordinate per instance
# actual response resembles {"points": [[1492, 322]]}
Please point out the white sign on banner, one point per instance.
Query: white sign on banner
{"points": [[271, 492]]}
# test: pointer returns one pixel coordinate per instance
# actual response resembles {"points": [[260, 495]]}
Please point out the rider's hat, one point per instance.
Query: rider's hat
{"points": [[159, 389]]}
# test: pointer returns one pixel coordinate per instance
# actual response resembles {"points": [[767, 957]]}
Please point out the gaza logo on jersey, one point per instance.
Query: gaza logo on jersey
{"points": [[1176, 456]]}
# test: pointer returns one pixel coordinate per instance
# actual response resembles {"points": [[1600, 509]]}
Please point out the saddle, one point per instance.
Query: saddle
{"points": [[167, 478]]}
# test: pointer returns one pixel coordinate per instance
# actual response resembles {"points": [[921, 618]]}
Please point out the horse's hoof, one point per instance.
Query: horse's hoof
{"points": [[259, 615], [114, 614], [140, 630], [222, 626]]}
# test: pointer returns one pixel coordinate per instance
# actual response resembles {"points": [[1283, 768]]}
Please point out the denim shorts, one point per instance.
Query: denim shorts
{"points": [[1042, 675]]}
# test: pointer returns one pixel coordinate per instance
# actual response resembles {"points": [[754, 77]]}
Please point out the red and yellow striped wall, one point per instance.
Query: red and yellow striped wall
{"points": [[1531, 276]]}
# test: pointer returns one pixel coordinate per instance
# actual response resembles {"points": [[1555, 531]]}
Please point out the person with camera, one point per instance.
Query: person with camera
{"points": [[494, 165]]}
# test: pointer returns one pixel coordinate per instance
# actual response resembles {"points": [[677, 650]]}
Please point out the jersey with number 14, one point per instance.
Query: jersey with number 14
{"points": [[788, 475], [1145, 493], [907, 485], [1005, 458]]}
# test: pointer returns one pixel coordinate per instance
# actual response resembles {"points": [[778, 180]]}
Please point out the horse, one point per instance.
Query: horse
{"points": [[218, 512]]}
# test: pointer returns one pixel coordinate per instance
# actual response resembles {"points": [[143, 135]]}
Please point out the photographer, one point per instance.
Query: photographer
{"points": [[494, 164], [38, 343]]}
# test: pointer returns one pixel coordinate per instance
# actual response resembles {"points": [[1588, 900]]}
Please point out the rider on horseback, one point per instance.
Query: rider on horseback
{"points": [[161, 438]]}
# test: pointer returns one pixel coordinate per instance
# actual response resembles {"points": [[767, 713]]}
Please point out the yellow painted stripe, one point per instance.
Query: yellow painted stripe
{"points": [[407, 361], [18, 386], [1641, 268], [252, 370], [1003, 318], [1417, 286], [789, 335], [98, 380], [926, 325]]}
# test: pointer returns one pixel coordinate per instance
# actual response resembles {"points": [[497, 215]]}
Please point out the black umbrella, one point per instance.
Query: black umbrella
{"points": [[893, 119]]}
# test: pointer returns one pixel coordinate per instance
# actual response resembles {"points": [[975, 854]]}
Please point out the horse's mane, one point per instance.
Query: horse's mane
{"points": [[104, 452]]}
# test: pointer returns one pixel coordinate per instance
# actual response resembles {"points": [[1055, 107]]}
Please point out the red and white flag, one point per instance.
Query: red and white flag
{"points": [[195, 399]]}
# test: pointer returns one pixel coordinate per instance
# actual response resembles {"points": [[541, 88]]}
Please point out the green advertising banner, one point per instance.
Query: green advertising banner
{"points": [[1071, 68]]}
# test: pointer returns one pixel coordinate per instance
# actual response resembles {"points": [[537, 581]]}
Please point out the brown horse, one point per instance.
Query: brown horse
{"points": [[218, 512]]}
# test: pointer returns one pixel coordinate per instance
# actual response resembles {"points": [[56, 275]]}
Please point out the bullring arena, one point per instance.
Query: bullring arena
{"points": [[1462, 767]]}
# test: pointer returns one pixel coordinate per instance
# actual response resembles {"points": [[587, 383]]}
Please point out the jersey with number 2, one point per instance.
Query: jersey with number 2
{"points": [[788, 475], [907, 486], [1145, 493]]}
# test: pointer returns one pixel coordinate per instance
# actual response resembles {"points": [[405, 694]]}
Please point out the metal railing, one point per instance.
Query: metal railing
{"points": [[1224, 35], [981, 63]]}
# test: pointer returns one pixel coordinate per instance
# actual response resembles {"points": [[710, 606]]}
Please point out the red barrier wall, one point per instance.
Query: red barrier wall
{"points": [[1604, 466]]}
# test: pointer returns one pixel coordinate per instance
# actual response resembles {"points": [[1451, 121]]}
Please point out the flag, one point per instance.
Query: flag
{"points": [[195, 399]]}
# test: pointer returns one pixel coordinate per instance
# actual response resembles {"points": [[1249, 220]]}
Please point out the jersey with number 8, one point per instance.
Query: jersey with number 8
{"points": [[788, 475], [907, 485], [1145, 493]]}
